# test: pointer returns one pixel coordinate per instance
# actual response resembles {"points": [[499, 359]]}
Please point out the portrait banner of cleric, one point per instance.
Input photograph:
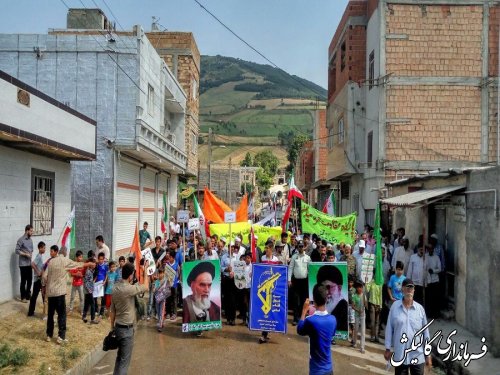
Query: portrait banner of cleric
{"points": [[333, 276], [202, 291]]}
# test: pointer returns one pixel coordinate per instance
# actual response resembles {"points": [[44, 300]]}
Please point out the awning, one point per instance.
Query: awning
{"points": [[420, 195]]}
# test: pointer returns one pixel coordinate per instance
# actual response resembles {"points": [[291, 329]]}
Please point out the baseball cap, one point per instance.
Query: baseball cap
{"points": [[435, 236], [362, 243], [279, 244], [408, 282]]}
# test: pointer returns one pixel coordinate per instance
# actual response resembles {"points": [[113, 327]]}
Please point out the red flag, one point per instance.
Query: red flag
{"points": [[294, 191], [136, 250], [253, 245], [286, 217]]}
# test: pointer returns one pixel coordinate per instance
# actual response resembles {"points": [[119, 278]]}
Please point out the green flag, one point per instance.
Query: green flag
{"points": [[379, 275], [333, 229]]}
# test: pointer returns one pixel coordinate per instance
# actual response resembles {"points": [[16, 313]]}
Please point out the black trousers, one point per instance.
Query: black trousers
{"points": [[89, 304], [419, 294], [229, 302], [57, 304], [37, 286], [432, 300], [300, 293], [410, 369], [26, 281]]}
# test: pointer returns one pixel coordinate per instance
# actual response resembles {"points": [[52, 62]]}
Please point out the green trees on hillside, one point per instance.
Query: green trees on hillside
{"points": [[268, 165], [294, 150]]}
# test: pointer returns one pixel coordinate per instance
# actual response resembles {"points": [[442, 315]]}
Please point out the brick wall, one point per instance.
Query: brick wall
{"points": [[351, 44], [442, 41], [494, 22], [180, 52], [322, 134], [444, 123], [493, 113], [304, 168]]}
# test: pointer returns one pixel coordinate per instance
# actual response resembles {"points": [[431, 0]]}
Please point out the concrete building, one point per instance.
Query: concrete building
{"points": [[120, 80], [180, 52], [460, 206], [39, 137], [412, 88]]}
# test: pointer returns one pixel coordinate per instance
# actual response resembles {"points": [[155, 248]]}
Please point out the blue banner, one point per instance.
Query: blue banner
{"points": [[268, 298]]}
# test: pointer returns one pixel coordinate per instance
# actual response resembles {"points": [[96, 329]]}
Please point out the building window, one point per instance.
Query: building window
{"points": [[341, 130], [370, 217], [371, 70], [344, 190], [42, 202], [342, 56], [194, 143], [369, 149], [331, 133], [332, 77], [355, 203], [151, 100]]}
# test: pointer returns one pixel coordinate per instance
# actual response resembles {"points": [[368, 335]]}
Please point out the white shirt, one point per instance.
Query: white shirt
{"points": [[400, 254], [273, 259], [248, 275], [416, 270], [433, 262], [214, 255], [298, 266], [104, 249]]}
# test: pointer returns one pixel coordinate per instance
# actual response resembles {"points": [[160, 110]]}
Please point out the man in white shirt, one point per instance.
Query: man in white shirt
{"points": [[417, 272], [359, 257], [297, 280], [402, 254], [432, 267], [101, 247]]}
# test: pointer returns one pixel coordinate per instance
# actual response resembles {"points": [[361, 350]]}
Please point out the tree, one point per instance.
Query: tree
{"points": [[294, 150], [267, 161], [247, 162], [264, 181], [249, 188]]}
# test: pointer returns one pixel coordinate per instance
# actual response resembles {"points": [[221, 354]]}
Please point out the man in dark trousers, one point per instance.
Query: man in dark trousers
{"points": [[123, 317], [24, 248]]}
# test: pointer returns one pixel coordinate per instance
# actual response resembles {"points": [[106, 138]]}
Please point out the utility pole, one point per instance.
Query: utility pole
{"points": [[198, 183], [230, 195], [209, 161]]}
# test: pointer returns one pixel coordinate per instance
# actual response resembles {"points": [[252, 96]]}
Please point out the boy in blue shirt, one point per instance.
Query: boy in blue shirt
{"points": [[320, 327], [102, 273], [395, 284]]}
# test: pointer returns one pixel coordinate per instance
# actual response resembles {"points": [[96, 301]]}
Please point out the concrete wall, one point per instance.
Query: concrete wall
{"points": [[15, 198], [483, 258]]}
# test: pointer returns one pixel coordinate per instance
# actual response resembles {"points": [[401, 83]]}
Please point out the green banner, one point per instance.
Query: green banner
{"points": [[333, 229]]}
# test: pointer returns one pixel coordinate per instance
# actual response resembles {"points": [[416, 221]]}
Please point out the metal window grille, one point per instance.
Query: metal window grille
{"points": [[42, 205]]}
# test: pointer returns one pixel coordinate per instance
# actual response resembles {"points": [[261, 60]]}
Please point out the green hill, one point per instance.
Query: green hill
{"points": [[250, 104]]}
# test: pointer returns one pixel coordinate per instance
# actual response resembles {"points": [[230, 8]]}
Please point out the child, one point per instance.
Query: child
{"points": [[161, 289], [171, 301], [246, 290], [102, 272], [37, 266], [375, 304], [394, 287], [350, 311], [111, 279], [88, 289], [77, 283], [359, 305], [121, 263]]}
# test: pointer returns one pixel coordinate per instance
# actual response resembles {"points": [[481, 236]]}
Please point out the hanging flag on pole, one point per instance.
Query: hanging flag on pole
{"points": [[253, 245], [68, 237], [199, 214], [379, 275], [286, 217], [164, 219], [294, 191], [136, 250], [329, 207]]}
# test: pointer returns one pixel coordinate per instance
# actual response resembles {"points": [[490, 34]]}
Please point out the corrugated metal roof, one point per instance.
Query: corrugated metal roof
{"points": [[420, 195]]}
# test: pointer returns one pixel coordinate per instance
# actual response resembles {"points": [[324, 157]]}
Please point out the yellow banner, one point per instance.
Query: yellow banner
{"points": [[242, 230]]}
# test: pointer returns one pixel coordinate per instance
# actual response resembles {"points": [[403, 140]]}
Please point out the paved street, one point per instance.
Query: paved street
{"points": [[232, 350]]}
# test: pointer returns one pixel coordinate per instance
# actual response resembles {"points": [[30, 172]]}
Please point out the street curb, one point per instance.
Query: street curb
{"points": [[85, 365]]}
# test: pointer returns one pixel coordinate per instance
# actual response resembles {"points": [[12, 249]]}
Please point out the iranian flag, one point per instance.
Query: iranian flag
{"points": [[329, 207], [68, 236], [294, 191], [164, 219], [199, 214]]}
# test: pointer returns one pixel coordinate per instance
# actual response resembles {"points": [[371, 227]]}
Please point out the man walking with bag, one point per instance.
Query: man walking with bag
{"points": [[123, 317]]}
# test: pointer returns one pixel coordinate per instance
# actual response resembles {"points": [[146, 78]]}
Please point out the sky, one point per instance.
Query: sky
{"points": [[294, 34]]}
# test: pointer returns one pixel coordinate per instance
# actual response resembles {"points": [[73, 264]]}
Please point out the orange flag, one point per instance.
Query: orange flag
{"points": [[214, 208], [136, 250], [242, 212]]}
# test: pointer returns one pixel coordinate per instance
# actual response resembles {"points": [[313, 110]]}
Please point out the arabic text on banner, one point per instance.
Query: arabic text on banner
{"points": [[333, 229], [268, 298], [367, 265], [242, 230]]}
